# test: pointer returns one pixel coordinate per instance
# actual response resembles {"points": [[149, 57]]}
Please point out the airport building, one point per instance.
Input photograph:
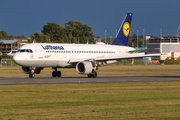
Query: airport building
{"points": [[166, 46], [6, 46]]}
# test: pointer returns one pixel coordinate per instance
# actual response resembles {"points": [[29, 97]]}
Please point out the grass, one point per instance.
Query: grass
{"points": [[132, 101], [47, 72], [91, 101]]}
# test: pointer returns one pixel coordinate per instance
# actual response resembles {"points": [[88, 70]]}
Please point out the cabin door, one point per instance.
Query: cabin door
{"points": [[40, 50], [73, 51]]}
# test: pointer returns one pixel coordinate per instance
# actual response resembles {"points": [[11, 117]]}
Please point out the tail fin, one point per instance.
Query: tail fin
{"points": [[123, 33]]}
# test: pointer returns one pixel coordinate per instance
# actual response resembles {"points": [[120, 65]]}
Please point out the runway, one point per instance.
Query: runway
{"points": [[85, 80]]}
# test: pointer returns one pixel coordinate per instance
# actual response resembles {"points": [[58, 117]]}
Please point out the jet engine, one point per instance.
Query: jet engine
{"points": [[86, 67], [27, 70]]}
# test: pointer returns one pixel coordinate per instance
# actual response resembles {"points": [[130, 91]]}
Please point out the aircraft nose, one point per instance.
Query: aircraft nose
{"points": [[16, 59]]}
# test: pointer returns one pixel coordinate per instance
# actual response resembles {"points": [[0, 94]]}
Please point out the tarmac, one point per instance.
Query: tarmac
{"points": [[86, 80]]}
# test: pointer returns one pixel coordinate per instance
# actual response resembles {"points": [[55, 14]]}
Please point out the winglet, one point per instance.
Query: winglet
{"points": [[123, 33]]}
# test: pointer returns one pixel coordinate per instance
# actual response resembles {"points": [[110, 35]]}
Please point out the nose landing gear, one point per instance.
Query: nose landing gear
{"points": [[31, 73]]}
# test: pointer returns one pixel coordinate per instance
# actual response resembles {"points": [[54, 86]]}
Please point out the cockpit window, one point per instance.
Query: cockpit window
{"points": [[30, 51], [18, 50], [25, 50], [22, 50]]}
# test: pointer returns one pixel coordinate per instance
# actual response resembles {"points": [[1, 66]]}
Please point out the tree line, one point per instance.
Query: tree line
{"points": [[5, 36], [73, 32]]}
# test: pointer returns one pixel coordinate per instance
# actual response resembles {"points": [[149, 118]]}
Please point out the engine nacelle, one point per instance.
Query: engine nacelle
{"points": [[27, 70], [86, 67]]}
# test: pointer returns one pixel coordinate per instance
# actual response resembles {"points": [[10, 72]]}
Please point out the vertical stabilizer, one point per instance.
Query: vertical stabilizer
{"points": [[123, 33]]}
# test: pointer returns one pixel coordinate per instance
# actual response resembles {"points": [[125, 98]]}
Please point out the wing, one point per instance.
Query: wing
{"points": [[79, 60], [125, 56], [142, 50], [114, 57]]}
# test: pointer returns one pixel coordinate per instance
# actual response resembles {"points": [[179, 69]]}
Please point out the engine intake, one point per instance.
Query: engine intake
{"points": [[86, 67]]}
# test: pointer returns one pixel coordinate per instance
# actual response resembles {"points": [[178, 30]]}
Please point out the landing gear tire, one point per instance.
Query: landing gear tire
{"points": [[31, 75], [95, 75], [56, 74], [92, 75]]}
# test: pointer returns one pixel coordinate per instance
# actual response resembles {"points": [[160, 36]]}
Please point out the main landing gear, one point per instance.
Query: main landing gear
{"points": [[56, 73], [31, 73], [92, 75]]}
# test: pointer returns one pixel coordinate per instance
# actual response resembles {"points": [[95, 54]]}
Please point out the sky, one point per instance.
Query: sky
{"points": [[25, 17]]}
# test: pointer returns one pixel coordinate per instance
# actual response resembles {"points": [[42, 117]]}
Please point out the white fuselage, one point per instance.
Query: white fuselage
{"points": [[59, 55]]}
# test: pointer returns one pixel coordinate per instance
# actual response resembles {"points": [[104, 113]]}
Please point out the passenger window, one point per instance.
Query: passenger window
{"points": [[27, 50]]}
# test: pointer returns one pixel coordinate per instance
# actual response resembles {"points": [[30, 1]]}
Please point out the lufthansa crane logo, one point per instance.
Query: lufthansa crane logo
{"points": [[126, 29], [31, 56]]}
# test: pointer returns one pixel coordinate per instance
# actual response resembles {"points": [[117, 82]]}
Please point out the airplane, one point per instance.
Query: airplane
{"points": [[86, 58]]}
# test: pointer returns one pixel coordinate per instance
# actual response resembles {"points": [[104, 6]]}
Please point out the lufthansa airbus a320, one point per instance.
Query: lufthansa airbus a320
{"points": [[86, 58]]}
